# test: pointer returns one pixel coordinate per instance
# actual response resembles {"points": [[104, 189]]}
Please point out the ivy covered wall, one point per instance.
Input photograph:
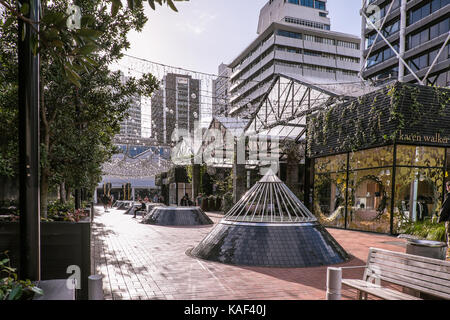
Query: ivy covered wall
{"points": [[400, 112]]}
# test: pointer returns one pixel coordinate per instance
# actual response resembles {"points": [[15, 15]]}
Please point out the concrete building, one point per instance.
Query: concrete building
{"points": [[131, 127], [294, 38], [418, 30], [221, 87], [176, 105]]}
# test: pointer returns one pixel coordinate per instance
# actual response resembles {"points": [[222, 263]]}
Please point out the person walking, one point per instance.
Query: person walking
{"points": [[444, 216], [105, 202]]}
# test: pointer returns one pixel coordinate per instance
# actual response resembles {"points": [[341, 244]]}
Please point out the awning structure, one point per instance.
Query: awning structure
{"points": [[145, 165], [290, 99]]}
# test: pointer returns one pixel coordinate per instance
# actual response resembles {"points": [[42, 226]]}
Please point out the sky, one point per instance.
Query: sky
{"points": [[205, 33]]}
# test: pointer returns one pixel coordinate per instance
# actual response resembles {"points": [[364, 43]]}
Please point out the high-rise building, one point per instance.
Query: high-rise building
{"points": [[419, 31], [221, 87], [294, 38], [130, 127], [176, 105]]}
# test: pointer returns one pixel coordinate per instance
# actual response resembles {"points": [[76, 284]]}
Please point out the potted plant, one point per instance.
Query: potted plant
{"points": [[13, 289]]}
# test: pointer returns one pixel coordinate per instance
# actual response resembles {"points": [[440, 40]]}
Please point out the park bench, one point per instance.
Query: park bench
{"points": [[415, 274]]}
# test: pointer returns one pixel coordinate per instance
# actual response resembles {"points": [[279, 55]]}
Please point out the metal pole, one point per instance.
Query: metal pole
{"points": [[402, 40], [30, 260], [334, 283]]}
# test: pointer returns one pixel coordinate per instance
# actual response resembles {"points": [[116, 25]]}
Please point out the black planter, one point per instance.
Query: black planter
{"points": [[63, 244]]}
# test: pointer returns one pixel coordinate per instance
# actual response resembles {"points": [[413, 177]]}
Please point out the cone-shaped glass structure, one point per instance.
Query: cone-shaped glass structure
{"points": [[270, 200], [270, 227], [174, 216]]}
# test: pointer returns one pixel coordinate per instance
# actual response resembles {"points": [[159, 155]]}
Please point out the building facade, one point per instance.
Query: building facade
{"points": [[221, 87], [417, 30], [131, 126], [294, 38], [176, 105], [371, 170]]}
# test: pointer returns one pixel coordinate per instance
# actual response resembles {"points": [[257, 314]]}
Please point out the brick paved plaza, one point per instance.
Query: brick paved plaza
{"points": [[141, 261]]}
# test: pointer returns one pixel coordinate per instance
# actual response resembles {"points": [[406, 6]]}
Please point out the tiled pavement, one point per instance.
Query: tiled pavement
{"points": [[150, 262]]}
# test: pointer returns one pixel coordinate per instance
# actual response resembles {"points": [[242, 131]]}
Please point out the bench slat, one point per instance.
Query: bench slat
{"points": [[395, 267], [422, 262], [440, 276], [387, 266], [380, 292]]}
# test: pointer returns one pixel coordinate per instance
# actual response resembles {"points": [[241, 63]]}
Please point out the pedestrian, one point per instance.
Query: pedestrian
{"points": [[444, 215], [156, 198], [184, 201], [105, 202], [199, 200]]}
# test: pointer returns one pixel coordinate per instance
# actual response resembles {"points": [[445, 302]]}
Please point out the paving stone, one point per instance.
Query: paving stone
{"points": [[140, 261]]}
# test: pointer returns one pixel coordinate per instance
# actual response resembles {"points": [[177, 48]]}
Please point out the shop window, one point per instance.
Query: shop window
{"points": [[331, 164], [373, 158], [418, 194], [420, 156], [329, 198], [369, 200]]}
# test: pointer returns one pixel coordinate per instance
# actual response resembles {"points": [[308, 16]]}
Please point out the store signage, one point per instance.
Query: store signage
{"points": [[437, 138]]}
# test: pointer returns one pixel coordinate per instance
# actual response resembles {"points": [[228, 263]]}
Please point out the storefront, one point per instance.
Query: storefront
{"points": [[373, 173]]}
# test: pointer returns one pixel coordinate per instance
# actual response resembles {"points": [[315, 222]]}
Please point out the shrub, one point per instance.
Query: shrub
{"points": [[426, 230], [13, 289]]}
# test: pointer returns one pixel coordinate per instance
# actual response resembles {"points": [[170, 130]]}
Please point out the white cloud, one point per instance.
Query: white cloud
{"points": [[199, 25]]}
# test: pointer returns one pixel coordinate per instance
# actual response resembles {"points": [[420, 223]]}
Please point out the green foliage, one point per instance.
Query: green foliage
{"points": [[227, 202], [354, 133], [82, 101], [426, 230], [10, 287]]}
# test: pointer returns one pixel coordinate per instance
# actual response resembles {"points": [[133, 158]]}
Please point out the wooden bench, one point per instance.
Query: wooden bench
{"points": [[414, 273]]}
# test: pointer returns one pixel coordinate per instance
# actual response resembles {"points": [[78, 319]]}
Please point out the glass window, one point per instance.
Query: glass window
{"points": [[331, 164], [420, 156], [374, 158], [418, 194], [369, 200], [329, 198]]}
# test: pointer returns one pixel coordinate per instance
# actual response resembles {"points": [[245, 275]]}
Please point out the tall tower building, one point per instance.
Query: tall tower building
{"points": [[294, 39], [419, 31], [176, 105], [221, 87], [131, 127]]}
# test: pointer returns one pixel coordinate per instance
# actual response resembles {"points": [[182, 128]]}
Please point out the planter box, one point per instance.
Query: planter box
{"points": [[63, 244]]}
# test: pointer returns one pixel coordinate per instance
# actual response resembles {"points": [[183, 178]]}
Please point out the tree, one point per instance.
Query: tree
{"points": [[82, 101]]}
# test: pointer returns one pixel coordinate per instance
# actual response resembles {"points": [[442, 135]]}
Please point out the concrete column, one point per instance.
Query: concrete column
{"points": [[334, 283], [95, 287], [402, 40], [95, 196], [196, 179], [132, 193], [292, 169], [239, 172]]}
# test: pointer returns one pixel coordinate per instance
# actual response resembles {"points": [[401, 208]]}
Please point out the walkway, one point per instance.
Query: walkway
{"points": [[149, 262]]}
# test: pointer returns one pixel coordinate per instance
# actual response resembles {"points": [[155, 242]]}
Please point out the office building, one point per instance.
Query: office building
{"points": [[176, 105], [418, 31], [294, 38], [221, 87]]}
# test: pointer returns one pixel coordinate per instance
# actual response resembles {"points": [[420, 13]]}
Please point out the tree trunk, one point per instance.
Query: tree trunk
{"points": [[68, 193], [62, 192]]}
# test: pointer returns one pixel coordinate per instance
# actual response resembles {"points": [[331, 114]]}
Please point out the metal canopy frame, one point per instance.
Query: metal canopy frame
{"points": [[399, 55], [284, 108]]}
